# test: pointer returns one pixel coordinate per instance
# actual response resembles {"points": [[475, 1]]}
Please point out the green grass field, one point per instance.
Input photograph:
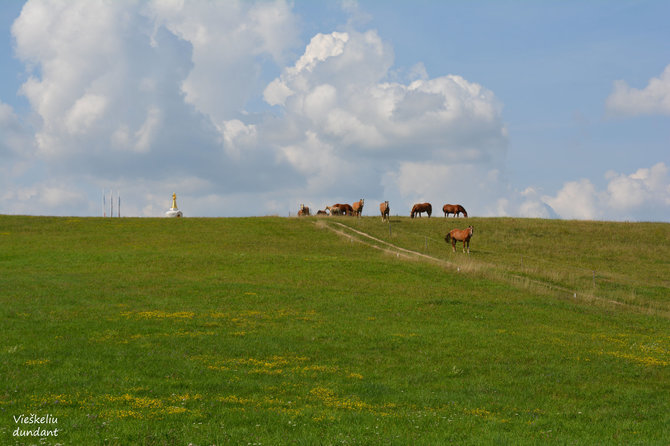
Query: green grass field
{"points": [[283, 331]]}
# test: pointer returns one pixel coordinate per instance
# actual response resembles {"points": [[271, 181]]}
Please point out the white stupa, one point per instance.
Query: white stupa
{"points": [[174, 211]]}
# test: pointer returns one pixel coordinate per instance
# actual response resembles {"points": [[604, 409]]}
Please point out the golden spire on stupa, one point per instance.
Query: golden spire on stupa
{"points": [[174, 211]]}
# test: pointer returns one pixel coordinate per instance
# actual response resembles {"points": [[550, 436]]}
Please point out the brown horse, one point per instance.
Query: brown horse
{"points": [[460, 235], [304, 211], [421, 207], [455, 209], [340, 209], [358, 208], [384, 209], [334, 210]]}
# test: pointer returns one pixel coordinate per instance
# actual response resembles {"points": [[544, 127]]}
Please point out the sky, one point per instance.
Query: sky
{"points": [[552, 109]]}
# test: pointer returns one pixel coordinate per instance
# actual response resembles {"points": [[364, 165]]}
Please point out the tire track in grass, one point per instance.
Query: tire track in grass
{"points": [[514, 279]]}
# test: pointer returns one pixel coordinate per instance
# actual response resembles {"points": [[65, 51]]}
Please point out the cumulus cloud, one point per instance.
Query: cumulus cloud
{"points": [[644, 193], [229, 42], [129, 93], [338, 93], [651, 100], [645, 189], [94, 76], [118, 76], [577, 200], [151, 98], [142, 95], [45, 198]]}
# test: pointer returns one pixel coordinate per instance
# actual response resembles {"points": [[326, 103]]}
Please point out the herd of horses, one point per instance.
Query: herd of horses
{"points": [[455, 209], [356, 209]]}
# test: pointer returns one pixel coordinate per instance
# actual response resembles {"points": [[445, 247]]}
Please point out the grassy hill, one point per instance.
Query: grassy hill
{"points": [[284, 331]]}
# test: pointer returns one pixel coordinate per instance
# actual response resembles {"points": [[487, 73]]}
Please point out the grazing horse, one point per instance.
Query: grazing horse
{"points": [[340, 209], [334, 210], [345, 209], [304, 210], [460, 235], [455, 209], [358, 208], [421, 207], [321, 212], [384, 209]]}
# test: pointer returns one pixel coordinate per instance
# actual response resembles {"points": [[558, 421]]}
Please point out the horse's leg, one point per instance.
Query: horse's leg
{"points": [[453, 244]]}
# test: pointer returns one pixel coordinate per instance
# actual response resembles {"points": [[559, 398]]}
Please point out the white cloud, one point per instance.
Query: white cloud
{"points": [[238, 137], [45, 198], [320, 48], [351, 130], [157, 97], [645, 188], [576, 200], [229, 41], [161, 87], [77, 55], [642, 194], [84, 113], [337, 90], [653, 99], [532, 205]]}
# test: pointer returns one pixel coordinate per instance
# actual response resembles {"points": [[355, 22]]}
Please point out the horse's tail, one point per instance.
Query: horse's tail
{"points": [[447, 238]]}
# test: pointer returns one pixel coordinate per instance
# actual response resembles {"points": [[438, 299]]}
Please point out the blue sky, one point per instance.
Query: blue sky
{"points": [[534, 109]]}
